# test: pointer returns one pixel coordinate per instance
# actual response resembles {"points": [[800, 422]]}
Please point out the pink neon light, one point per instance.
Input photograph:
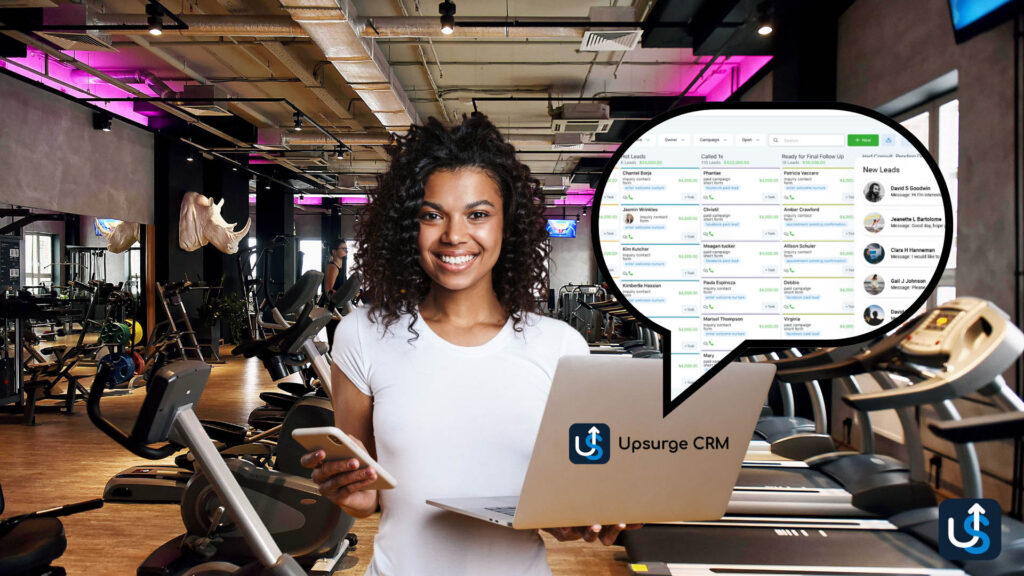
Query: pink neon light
{"points": [[577, 197], [36, 60], [317, 200], [723, 78]]}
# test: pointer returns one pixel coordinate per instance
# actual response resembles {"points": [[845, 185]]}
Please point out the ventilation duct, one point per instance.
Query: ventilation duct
{"points": [[335, 28], [204, 100], [554, 183], [279, 137], [610, 39], [75, 15], [569, 141], [211, 25], [146, 77], [586, 117]]}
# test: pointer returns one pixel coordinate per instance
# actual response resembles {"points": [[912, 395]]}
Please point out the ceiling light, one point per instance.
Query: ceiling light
{"points": [[357, 217], [584, 210], [298, 122], [234, 168], [190, 158], [764, 18], [155, 19], [267, 187], [101, 121], [447, 10], [339, 153]]}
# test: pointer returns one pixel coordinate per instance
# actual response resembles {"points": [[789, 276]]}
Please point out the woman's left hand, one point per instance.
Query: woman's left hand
{"points": [[606, 534]]}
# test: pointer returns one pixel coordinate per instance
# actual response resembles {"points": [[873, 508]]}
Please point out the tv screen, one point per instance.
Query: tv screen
{"points": [[972, 17], [562, 228], [105, 225]]}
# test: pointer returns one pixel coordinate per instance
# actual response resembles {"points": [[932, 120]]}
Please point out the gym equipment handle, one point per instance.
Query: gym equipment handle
{"points": [[108, 428], [980, 428], [859, 363], [8, 524], [82, 286]]}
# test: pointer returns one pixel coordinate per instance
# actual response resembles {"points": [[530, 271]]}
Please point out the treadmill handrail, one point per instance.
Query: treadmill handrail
{"points": [[980, 428], [864, 362]]}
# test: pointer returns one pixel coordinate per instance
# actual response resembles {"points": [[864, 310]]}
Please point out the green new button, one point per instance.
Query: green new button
{"points": [[862, 139]]}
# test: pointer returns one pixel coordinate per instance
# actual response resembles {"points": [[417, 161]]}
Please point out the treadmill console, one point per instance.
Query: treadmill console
{"points": [[960, 331]]}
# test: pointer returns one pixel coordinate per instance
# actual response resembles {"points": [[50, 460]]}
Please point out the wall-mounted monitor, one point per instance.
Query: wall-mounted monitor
{"points": [[972, 17], [562, 228], [105, 225]]}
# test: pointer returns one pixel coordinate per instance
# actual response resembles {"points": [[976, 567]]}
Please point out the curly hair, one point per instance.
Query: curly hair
{"points": [[387, 236]]}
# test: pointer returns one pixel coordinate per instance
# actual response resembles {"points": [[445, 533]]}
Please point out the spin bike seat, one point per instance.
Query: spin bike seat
{"points": [[32, 544]]}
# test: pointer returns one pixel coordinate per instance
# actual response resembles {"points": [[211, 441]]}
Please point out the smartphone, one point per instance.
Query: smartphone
{"points": [[338, 446]]}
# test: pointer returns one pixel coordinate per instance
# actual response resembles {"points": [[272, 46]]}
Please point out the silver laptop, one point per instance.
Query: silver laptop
{"points": [[597, 405]]}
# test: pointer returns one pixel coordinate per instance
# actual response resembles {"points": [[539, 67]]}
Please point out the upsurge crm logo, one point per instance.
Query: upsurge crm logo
{"points": [[589, 443], [970, 529]]}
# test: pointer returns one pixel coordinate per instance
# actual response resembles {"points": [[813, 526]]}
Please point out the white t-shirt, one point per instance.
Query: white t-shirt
{"points": [[453, 421]]}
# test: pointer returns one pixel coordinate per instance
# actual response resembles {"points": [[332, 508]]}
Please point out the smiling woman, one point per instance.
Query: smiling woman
{"points": [[472, 157], [451, 248]]}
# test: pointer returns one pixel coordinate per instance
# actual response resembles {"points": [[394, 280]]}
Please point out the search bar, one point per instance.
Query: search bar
{"points": [[806, 140]]}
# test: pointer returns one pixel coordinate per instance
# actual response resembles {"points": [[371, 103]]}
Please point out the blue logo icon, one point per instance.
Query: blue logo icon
{"points": [[969, 529], [589, 443]]}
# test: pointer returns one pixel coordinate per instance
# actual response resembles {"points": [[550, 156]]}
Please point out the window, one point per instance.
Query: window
{"points": [[350, 260], [312, 255], [251, 243], [936, 124], [135, 269], [38, 259]]}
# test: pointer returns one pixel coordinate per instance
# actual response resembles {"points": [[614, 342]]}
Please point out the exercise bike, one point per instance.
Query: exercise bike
{"points": [[286, 527]]}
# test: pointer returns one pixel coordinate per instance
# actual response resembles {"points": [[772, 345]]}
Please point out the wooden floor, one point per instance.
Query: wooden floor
{"points": [[65, 459]]}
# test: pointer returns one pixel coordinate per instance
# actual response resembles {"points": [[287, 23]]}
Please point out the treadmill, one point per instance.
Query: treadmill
{"points": [[837, 483], [959, 348]]}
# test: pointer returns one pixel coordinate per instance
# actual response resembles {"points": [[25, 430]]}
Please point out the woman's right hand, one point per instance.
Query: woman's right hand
{"points": [[344, 483]]}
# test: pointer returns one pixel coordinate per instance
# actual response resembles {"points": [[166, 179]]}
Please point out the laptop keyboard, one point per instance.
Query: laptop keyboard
{"points": [[506, 510]]}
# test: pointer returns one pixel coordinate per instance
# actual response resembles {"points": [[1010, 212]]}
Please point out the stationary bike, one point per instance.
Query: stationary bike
{"points": [[301, 521]]}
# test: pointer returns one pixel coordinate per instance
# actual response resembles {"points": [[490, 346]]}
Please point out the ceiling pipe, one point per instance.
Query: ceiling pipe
{"points": [[211, 25], [134, 77], [429, 27], [376, 27], [279, 137]]}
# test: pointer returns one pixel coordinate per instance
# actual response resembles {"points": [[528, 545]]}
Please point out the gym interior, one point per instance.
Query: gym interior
{"points": [[175, 178]]}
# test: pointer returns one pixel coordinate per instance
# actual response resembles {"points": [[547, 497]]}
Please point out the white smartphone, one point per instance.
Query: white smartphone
{"points": [[338, 446]]}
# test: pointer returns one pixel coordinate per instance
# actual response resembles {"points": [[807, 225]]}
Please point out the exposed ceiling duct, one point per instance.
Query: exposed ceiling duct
{"points": [[428, 27], [136, 77], [209, 25], [279, 137], [73, 15], [377, 27], [333, 27]]}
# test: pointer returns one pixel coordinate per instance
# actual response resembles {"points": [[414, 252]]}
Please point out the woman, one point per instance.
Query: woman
{"points": [[443, 376], [334, 278]]}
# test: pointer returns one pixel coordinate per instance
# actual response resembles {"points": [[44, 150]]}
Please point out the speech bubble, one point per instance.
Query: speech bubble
{"points": [[734, 226]]}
